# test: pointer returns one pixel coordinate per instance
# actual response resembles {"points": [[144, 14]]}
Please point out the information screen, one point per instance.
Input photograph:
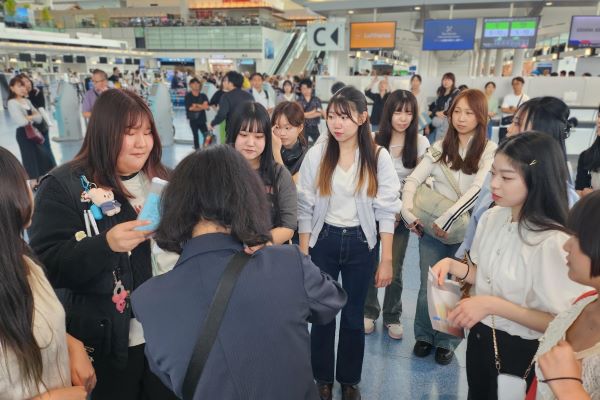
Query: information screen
{"points": [[509, 33], [372, 35], [449, 34], [585, 31]]}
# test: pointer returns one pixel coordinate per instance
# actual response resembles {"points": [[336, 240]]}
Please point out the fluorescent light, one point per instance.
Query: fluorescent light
{"points": [[350, 11], [417, 8], [548, 3]]}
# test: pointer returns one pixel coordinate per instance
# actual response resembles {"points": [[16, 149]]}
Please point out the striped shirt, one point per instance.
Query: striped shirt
{"points": [[470, 185]]}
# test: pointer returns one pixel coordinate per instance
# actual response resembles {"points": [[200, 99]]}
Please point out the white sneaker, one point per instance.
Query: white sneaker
{"points": [[395, 331], [369, 326]]}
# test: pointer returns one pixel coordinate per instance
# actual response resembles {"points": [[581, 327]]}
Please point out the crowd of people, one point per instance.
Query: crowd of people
{"points": [[254, 234]]}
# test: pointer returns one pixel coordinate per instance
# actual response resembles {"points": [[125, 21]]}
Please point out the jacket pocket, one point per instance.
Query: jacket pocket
{"points": [[94, 331]]}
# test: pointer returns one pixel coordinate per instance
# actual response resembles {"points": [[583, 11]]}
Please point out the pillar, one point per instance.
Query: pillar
{"points": [[498, 64], [517, 69]]}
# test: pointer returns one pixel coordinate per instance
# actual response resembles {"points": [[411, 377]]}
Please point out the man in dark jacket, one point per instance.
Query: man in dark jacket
{"points": [[234, 96]]}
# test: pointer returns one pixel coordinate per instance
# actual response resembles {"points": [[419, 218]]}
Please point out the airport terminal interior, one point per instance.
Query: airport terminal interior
{"points": [[169, 52]]}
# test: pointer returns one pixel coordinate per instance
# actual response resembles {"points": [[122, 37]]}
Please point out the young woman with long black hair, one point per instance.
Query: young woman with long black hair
{"points": [[288, 126], [458, 166], [399, 134], [439, 108], [101, 258], [519, 268], [347, 186], [38, 360], [588, 166], [250, 134]]}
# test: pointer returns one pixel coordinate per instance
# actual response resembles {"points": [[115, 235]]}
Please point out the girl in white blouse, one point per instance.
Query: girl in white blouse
{"points": [[399, 134], [519, 272], [348, 194], [466, 155], [580, 324], [38, 360]]}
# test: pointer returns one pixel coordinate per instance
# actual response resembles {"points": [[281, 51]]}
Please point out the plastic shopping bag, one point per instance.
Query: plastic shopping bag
{"points": [[442, 300]]}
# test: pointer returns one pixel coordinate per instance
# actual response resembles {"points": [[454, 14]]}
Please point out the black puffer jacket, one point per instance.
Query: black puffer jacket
{"points": [[82, 271]]}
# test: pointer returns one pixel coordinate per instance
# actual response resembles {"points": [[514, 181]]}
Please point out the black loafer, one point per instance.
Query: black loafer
{"points": [[325, 391], [443, 356], [350, 392], [422, 349]]}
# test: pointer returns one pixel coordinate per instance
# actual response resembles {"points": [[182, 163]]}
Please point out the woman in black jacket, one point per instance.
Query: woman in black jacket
{"points": [[439, 120], [85, 232], [588, 166]]}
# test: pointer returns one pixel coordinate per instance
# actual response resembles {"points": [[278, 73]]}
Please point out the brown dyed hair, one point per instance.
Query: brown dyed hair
{"points": [[294, 114], [114, 114], [344, 102], [450, 154]]}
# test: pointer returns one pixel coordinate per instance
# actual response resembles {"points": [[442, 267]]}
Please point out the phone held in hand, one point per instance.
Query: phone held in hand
{"points": [[151, 210]]}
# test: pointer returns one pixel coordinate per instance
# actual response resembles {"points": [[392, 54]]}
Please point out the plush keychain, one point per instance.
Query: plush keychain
{"points": [[119, 295], [103, 201]]}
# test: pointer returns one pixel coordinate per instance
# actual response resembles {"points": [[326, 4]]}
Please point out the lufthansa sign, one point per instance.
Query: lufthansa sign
{"points": [[329, 36]]}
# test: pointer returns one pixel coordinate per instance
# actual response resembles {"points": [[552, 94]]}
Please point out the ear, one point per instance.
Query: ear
{"points": [[363, 118]]}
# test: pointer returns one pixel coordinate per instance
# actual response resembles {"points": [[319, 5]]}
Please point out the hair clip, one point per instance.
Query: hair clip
{"points": [[534, 162]]}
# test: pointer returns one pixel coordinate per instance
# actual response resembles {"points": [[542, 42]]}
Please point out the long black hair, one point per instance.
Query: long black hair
{"points": [[549, 115], [400, 100], [591, 157], [441, 91], [344, 102], [16, 297], [253, 117], [231, 196], [583, 223], [545, 173]]}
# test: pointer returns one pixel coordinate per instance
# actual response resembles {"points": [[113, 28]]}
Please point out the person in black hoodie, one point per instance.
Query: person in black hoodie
{"points": [[233, 98], [446, 94], [288, 126], [95, 252]]}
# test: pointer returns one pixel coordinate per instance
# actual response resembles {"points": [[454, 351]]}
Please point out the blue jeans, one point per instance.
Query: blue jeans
{"points": [[490, 127], [345, 251], [374, 127], [431, 251], [392, 302]]}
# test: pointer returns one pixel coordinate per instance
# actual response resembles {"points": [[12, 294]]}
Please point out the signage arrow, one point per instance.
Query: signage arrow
{"points": [[334, 36]]}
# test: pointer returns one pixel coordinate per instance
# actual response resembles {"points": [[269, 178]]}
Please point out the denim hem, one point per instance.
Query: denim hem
{"points": [[348, 384], [369, 316], [318, 382], [424, 340], [386, 323]]}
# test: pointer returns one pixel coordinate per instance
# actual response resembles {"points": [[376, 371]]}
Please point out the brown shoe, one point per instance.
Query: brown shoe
{"points": [[350, 392], [325, 391]]}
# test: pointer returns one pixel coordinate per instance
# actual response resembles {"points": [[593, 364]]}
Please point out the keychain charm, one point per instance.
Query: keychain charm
{"points": [[103, 201], [120, 295]]}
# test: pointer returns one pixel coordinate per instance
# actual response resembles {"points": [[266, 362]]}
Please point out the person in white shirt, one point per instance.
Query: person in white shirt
{"points": [[347, 185], [511, 103], [260, 94], [399, 134], [457, 166], [575, 333], [518, 265]]}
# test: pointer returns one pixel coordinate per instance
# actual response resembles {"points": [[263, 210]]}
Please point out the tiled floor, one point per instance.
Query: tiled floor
{"points": [[390, 370]]}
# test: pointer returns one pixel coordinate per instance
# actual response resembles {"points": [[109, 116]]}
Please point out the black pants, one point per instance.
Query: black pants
{"points": [[135, 382], [502, 133], [198, 125], [515, 353], [312, 133]]}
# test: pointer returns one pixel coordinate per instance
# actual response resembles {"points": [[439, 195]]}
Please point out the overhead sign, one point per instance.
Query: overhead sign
{"points": [[372, 35], [329, 36]]}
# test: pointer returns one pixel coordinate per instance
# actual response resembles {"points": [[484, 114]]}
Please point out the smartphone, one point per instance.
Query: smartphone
{"points": [[151, 210]]}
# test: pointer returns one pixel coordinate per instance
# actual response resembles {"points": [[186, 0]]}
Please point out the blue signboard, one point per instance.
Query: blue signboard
{"points": [[449, 34]]}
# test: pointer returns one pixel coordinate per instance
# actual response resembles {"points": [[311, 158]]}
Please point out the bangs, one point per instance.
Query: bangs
{"points": [[340, 106], [136, 118], [404, 105], [254, 125]]}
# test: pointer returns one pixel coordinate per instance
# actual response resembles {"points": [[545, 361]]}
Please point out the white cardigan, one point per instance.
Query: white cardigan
{"points": [[312, 207]]}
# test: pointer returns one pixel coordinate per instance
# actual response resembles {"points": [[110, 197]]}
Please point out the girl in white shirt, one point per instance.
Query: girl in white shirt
{"points": [[519, 272], [399, 134], [579, 326], [466, 155], [346, 187], [38, 360]]}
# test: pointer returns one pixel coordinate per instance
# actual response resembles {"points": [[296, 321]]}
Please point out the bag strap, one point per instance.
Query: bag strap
{"points": [[447, 173], [586, 295], [212, 323]]}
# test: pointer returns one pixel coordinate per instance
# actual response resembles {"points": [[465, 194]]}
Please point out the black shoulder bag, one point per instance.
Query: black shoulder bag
{"points": [[212, 323]]}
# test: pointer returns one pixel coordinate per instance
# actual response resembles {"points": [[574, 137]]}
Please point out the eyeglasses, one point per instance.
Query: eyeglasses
{"points": [[100, 81]]}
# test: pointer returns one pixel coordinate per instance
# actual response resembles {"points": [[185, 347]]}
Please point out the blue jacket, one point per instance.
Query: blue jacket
{"points": [[262, 350]]}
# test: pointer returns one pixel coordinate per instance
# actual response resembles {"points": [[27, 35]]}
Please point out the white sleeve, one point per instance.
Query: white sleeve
{"points": [[552, 290], [17, 113], [475, 249], [387, 202], [307, 190]]}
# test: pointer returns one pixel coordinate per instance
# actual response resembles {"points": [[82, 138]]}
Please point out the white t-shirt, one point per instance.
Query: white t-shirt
{"points": [[342, 211], [513, 100], [526, 268], [263, 98], [403, 172]]}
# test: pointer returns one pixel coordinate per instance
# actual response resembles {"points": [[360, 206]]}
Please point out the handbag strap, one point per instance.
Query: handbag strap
{"points": [[212, 323], [447, 173]]}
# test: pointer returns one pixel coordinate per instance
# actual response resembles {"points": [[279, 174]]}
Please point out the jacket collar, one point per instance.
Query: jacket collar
{"points": [[208, 243]]}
